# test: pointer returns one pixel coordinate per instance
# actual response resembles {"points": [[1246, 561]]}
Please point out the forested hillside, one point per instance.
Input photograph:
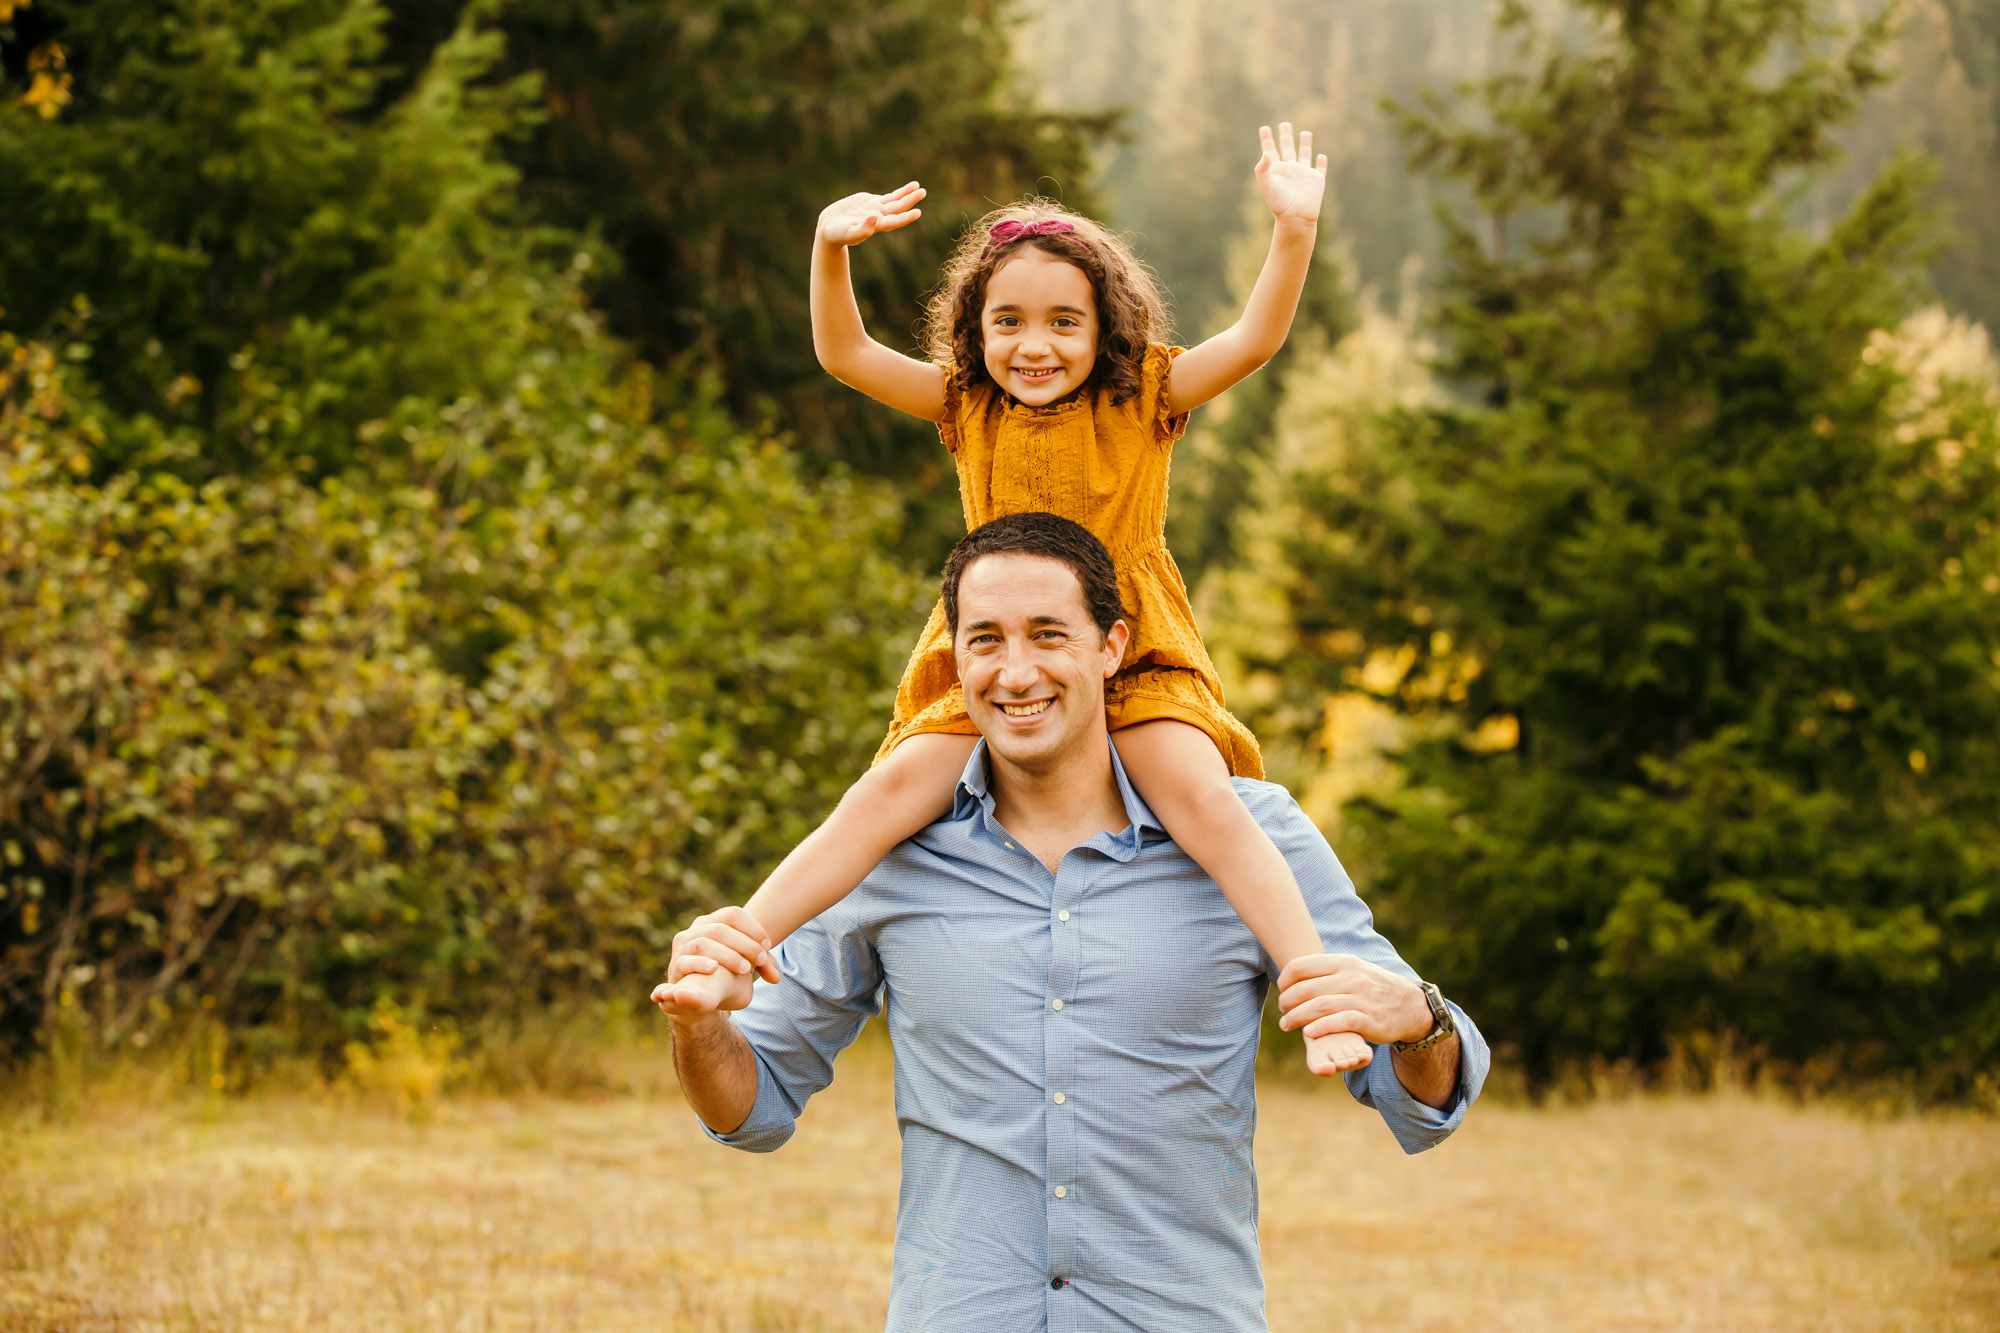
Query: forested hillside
{"points": [[1190, 77], [432, 563]]}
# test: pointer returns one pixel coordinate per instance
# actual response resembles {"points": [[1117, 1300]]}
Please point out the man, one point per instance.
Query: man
{"points": [[1074, 1006]]}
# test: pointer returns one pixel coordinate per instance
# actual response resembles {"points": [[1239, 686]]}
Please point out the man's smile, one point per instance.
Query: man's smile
{"points": [[1026, 709]]}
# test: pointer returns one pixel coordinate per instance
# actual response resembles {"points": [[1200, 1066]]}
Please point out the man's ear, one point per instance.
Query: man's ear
{"points": [[1115, 640]]}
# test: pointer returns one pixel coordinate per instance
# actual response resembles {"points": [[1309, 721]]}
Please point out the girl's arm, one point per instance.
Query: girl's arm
{"points": [[1293, 185], [839, 337]]}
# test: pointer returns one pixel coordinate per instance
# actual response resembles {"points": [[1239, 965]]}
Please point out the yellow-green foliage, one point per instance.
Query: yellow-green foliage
{"points": [[403, 1063], [480, 730]]}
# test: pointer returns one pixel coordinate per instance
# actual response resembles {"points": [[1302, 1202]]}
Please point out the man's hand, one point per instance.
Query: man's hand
{"points": [[1337, 992], [715, 965]]}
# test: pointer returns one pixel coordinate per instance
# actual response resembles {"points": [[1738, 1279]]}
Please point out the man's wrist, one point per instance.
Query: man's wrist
{"points": [[1427, 1017], [717, 1072], [1430, 1074], [694, 1027]]}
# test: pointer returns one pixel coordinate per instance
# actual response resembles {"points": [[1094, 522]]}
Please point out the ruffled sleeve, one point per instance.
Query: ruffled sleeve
{"points": [[954, 403], [1164, 426]]}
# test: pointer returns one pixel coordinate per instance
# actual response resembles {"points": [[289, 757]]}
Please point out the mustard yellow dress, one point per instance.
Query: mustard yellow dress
{"points": [[1103, 465]]}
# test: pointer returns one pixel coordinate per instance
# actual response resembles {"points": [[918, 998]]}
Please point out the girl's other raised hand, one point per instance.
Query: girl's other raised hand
{"points": [[1292, 180], [852, 220]]}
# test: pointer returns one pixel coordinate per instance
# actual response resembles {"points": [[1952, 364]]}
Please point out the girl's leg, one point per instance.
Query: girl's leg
{"points": [[1182, 776], [892, 801]]}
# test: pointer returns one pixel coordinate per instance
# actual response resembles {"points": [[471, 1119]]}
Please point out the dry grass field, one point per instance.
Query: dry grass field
{"points": [[1715, 1212]]}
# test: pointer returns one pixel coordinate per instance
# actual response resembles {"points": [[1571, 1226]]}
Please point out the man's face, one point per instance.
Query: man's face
{"points": [[1032, 662]]}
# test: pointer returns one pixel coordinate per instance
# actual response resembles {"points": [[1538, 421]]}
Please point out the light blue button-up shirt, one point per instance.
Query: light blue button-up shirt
{"points": [[1075, 1066]]}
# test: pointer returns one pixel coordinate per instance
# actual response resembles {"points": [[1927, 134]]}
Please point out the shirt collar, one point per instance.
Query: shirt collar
{"points": [[1123, 846]]}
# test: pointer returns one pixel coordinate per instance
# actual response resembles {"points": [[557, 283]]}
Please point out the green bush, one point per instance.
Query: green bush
{"points": [[372, 627], [470, 745]]}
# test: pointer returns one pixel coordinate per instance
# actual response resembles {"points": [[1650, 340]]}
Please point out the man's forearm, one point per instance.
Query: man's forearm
{"points": [[1431, 1076], [717, 1070]]}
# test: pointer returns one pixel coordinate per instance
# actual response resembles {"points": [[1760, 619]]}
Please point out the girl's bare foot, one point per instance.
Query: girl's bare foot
{"points": [[1336, 1053], [701, 992]]}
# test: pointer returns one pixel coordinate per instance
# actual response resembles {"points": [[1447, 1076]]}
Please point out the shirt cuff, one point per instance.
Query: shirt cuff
{"points": [[770, 1123], [1417, 1125]]}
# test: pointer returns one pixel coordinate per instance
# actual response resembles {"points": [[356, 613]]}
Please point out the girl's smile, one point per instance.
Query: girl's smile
{"points": [[1040, 326]]}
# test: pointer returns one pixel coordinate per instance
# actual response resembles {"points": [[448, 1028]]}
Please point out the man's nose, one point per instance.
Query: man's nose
{"points": [[1017, 669]]}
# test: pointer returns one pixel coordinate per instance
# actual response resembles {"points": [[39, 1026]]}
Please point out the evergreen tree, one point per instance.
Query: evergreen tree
{"points": [[701, 138], [227, 212], [1969, 272], [1694, 599]]}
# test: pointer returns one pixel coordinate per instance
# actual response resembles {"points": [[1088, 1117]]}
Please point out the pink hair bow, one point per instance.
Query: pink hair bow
{"points": [[1004, 233]]}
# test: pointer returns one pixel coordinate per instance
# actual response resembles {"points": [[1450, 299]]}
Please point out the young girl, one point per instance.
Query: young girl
{"points": [[1051, 386]]}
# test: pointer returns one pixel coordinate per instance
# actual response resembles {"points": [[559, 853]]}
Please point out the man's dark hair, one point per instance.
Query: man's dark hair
{"points": [[1052, 538]]}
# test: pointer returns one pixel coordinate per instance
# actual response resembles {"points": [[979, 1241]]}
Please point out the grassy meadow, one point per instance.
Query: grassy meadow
{"points": [[1714, 1211]]}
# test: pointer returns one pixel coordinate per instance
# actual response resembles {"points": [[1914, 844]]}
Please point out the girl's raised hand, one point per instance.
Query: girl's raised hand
{"points": [[1292, 181], [852, 220]]}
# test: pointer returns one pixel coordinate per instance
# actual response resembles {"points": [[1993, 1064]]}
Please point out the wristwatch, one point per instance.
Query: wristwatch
{"points": [[1441, 1024]]}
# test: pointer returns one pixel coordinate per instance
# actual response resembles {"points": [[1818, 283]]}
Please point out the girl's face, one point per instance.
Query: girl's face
{"points": [[1040, 327]]}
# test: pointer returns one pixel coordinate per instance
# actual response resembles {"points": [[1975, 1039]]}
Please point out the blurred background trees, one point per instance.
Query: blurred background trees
{"points": [[1671, 570], [375, 625], [431, 563], [699, 140]]}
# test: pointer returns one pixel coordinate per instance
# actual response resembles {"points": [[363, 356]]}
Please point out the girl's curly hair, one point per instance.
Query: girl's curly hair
{"points": [[1131, 312]]}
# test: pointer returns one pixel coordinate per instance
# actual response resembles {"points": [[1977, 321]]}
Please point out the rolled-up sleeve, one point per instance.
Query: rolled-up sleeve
{"points": [[1418, 1126], [832, 979], [1347, 926]]}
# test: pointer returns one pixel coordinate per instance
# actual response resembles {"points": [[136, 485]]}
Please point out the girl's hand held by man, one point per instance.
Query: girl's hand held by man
{"points": [[726, 950]]}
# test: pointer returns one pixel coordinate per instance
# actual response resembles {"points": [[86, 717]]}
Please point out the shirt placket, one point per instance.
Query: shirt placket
{"points": [[1059, 1018]]}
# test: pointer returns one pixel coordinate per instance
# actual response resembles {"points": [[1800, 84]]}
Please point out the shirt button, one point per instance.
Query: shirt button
{"points": [[1061, 1192], [1059, 1099], [1055, 1004], [1063, 915], [1057, 1283]]}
